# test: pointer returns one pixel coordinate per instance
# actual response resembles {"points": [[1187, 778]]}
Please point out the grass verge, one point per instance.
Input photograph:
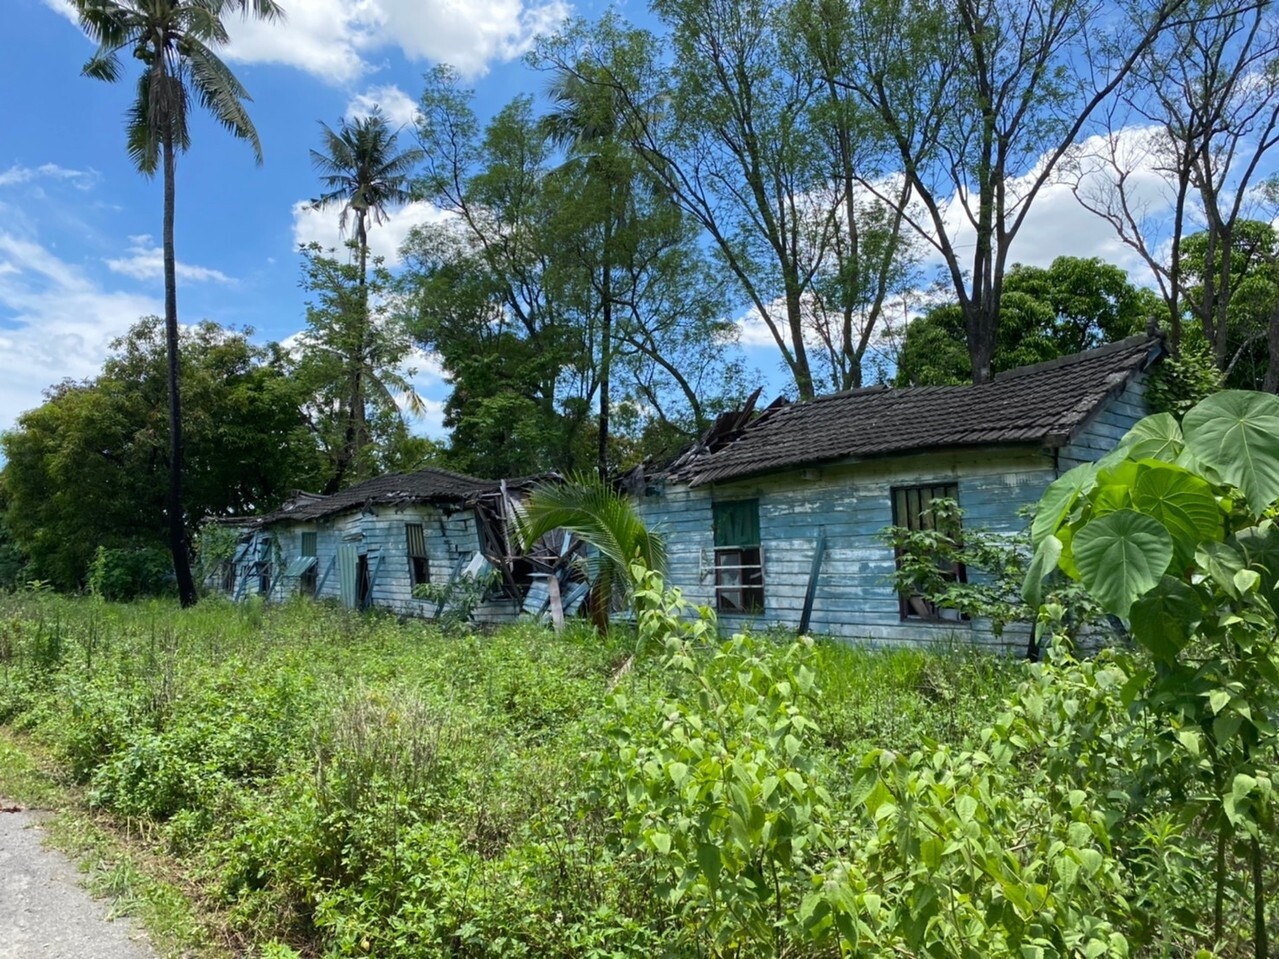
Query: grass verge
{"points": [[119, 865]]}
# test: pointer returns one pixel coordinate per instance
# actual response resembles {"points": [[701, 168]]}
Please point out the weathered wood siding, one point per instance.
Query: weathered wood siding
{"points": [[379, 534], [1107, 427], [851, 504]]}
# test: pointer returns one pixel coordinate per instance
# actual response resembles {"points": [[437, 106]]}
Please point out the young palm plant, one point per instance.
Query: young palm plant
{"points": [[605, 519], [175, 41], [364, 172]]}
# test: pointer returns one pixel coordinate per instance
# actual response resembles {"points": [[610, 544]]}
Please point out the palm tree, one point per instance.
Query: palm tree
{"points": [[362, 171], [591, 509], [174, 40]]}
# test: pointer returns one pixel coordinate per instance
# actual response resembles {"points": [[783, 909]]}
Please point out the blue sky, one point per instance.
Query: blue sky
{"points": [[79, 228]]}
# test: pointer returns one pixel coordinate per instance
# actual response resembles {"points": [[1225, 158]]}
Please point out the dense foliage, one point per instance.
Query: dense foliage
{"points": [[89, 468], [333, 779], [1175, 532], [1072, 305], [346, 785]]}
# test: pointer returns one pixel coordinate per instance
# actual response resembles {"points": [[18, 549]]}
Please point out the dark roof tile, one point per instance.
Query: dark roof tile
{"points": [[424, 486], [1045, 404]]}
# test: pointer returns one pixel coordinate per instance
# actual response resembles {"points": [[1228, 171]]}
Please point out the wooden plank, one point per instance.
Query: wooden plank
{"points": [[810, 594]]}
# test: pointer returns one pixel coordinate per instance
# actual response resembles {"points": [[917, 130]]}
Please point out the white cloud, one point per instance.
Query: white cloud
{"points": [[54, 323], [327, 38], [322, 226], [16, 174], [146, 262], [65, 8], [334, 39], [1058, 224], [397, 106], [470, 34]]}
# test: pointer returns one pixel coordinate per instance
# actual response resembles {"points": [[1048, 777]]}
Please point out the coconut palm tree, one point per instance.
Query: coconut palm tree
{"points": [[175, 42], [363, 171], [593, 510]]}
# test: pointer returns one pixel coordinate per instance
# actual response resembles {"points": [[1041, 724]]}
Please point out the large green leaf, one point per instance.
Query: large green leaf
{"points": [[1156, 437], [1058, 499], [1261, 548], [1047, 553], [1183, 502], [1237, 433], [1221, 562], [1121, 556], [1166, 617]]}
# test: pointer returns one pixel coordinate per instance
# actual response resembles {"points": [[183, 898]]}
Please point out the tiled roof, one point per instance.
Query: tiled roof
{"points": [[424, 486], [1042, 404]]}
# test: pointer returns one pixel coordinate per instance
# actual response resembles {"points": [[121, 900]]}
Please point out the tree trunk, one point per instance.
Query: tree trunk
{"points": [[606, 342], [358, 412], [980, 321], [177, 523], [1271, 384], [1261, 945], [354, 430]]}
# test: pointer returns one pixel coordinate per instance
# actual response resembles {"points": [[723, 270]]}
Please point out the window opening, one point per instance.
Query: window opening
{"points": [[739, 560], [419, 565], [912, 510]]}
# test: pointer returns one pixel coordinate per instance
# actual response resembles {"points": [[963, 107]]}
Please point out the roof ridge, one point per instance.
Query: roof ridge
{"points": [[1118, 346]]}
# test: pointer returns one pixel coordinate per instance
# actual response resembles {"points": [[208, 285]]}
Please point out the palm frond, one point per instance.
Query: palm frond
{"points": [[142, 143], [219, 92], [599, 515], [102, 67]]}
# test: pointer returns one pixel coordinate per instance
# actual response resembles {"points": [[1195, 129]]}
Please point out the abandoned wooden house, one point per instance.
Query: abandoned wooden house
{"points": [[372, 544], [776, 519], [773, 518]]}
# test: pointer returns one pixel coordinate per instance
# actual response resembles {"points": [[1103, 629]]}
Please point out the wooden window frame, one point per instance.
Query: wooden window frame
{"points": [[419, 563], [739, 570], [310, 577], [915, 500]]}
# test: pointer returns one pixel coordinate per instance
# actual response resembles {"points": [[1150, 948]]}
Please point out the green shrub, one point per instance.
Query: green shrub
{"points": [[121, 575]]}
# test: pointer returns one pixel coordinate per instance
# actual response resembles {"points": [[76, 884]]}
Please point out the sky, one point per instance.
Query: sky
{"points": [[79, 227]]}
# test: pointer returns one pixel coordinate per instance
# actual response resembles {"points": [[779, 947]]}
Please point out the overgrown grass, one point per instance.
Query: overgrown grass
{"points": [[352, 785]]}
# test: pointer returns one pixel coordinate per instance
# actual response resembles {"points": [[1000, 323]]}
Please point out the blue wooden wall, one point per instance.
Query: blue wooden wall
{"points": [[451, 540]]}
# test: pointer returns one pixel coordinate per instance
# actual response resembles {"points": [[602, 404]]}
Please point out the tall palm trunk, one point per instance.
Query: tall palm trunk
{"points": [[358, 410], [355, 430], [177, 522]]}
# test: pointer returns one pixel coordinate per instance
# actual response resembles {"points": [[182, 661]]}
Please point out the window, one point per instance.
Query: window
{"points": [[307, 583], [419, 566], [912, 510], [739, 564], [264, 567]]}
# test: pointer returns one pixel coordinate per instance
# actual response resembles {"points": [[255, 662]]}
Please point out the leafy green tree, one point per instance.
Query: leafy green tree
{"points": [[363, 171], [980, 100], [1072, 305], [354, 350], [1248, 271], [12, 562], [749, 135], [88, 468], [175, 41], [564, 284], [590, 508]]}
